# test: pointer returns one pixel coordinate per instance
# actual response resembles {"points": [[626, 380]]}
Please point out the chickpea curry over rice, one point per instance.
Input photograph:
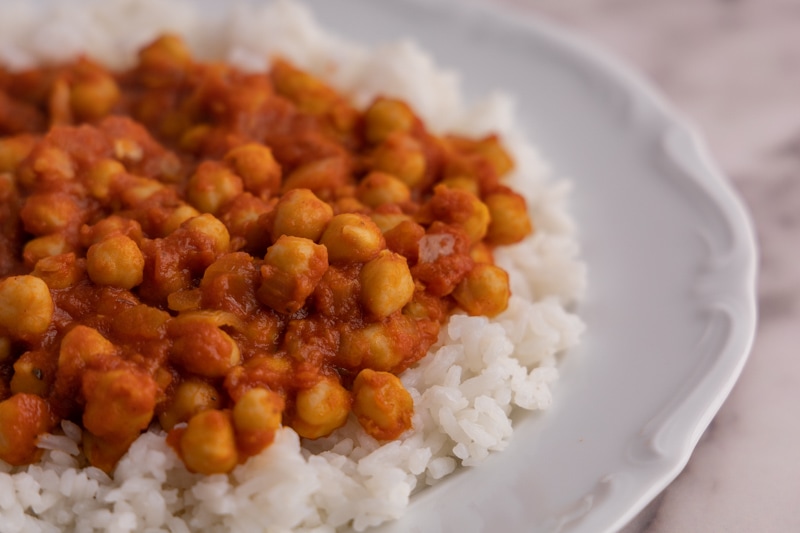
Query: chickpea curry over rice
{"points": [[225, 253]]}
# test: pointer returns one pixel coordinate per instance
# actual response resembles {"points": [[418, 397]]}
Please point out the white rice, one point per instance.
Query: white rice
{"points": [[464, 391]]}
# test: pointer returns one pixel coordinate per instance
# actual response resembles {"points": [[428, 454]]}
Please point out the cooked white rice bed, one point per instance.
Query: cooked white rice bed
{"points": [[464, 390]]}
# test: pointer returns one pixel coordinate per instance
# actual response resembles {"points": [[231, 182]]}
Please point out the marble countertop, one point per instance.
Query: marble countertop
{"points": [[733, 68]]}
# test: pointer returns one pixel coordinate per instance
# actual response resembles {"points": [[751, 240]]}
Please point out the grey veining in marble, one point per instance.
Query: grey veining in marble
{"points": [[733, 68]]}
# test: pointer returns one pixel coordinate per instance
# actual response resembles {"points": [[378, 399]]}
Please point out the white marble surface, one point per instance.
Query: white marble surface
{"points": [[733, 67]]}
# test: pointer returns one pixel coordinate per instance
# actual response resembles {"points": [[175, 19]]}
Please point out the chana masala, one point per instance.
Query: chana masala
{"points": [[223, 253]]}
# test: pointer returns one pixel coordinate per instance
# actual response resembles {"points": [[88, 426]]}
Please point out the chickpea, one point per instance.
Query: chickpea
{"points": [[94, 95], [386, 116], [381, 346], [381, 188], [381, 404], [211, 226], [115, 261], [134, 190], [386, 284], [26, 307], [256, 417], [401, 155], [23, 417], [321, 409], [60, 271], [46, 246], [191, 397], [101, 175], [257, 167], [509, 218], [48, 213], [481, 253], [53, 162], [386, 222], [201, 347], [164, 61], [464, 183], [300, 213], [484, 291], [109, 226], [178, 216], [353, 238], [32, 374], [462, 208], [212, 186], [322, 174], [292, 268], [193, 138], [105, 453], [13, 150], [119, 403], [208, 444], [82, 346], [404, 239], [494, 152]]}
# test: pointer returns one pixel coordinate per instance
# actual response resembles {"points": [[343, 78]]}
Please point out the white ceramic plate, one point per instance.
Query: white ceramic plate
{"points": [[671, 255]]}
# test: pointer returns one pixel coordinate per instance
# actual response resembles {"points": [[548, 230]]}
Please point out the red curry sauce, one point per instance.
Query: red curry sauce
{"points": [[223, 253]]}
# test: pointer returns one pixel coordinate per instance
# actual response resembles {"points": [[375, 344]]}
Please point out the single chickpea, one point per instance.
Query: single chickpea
{"points": [[191, 397], [53, 162], [494, 152], [464, 183], [382, 405], [193, 137], [386, 222], [111, 225], [115, 261], [292, 268], [400, 155], [105, 453], [300, 213], [257, 167], [60, 271], [178, 216], [484, 291], [462, 208], [381, 345], [404, 239], [46, 246], [23, 417], [328, 173], [119, 403], [381, 188], [208, 443], [94, 95], [26, 307], [481, 253], [164, 61], [351, 237], [211, 226], [81, 346], [201, 347], [32, 374], [386, 116], [48, 213], [13, 150], [101, 175], [386, 284], [212, 186], [256, 417], [135, 190], [321, 409], [510, 222]]}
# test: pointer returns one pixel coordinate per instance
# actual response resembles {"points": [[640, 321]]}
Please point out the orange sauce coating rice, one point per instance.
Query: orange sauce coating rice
{"points": [[224, 253]]}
